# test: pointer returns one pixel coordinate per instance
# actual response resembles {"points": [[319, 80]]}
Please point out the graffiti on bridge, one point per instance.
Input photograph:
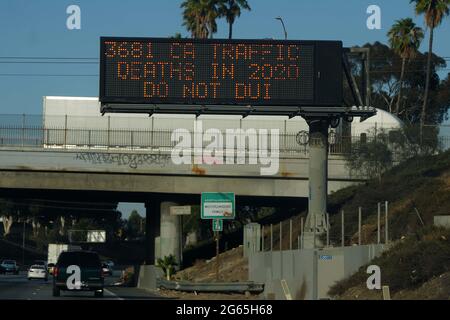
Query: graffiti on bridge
{"points": [[124, 159]]}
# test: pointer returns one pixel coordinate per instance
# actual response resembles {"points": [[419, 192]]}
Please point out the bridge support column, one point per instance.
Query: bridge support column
{"points": [[170, 240], [149, 272], [152, 230], [316, 221]]}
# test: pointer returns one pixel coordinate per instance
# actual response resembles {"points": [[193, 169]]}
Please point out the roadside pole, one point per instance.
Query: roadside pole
{"points": [[359, 225], [181, 241], [217, 255], [386, 224], [342, 229], [23, 244], [378, 223], [217, 207]]}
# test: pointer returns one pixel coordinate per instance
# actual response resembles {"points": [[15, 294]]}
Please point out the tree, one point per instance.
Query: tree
{"points": [[385, 67], [370, 158], [434, 11], [199, 17], [230, 10], [405, 39], [176, 36], [134, 224]]}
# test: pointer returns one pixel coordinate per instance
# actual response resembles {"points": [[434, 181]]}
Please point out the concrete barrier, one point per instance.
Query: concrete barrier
{"points": [[308, 273], [148, 275]]}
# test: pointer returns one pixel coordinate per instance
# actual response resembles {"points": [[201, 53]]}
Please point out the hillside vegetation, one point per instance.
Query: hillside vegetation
{"points": [[417, 265]]}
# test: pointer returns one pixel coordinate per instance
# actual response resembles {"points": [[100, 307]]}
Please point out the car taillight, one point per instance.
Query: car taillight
{"points": [[55, 271]]}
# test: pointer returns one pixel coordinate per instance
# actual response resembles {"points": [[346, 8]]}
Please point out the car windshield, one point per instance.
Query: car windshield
{"points": [[9, 262], [81, 259]]}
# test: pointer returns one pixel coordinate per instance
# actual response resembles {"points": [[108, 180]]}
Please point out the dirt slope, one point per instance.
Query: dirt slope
{"points": [[233, 267]]}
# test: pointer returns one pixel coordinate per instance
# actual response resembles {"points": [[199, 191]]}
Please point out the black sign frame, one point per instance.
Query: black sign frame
{"points": [[327, 73]]}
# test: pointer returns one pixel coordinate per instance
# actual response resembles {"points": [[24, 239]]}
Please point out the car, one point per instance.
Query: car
{"points": [[9, 266], [37, 271], [107, 270], [91, 277]]}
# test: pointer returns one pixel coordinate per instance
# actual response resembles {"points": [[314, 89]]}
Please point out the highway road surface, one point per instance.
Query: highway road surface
{"points": [[19, 287]]}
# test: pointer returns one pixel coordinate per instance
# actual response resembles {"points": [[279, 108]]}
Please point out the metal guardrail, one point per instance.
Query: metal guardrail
{"points": [[227, 287]]}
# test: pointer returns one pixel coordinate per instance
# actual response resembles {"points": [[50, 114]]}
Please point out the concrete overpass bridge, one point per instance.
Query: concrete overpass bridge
{"points": [[36, 157], [154, 172], [69, 163]]}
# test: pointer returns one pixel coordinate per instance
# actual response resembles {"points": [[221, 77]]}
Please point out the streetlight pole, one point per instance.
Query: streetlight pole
{"points": [[284, 27]]}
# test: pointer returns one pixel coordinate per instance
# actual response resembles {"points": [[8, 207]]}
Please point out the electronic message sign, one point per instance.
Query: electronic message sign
{"points": [[159, 71]]}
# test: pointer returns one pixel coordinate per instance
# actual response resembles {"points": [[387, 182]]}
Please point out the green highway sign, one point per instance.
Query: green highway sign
{"points": [[218, 205], [217, 225]]}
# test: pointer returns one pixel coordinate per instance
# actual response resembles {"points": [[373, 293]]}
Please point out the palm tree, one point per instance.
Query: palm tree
{"points": [[199, 17], [231, 9], [405, 39], [434, 11]]}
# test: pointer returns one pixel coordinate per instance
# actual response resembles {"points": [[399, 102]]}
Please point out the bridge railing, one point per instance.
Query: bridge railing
{"points": [[163, 140], [35, 136]]}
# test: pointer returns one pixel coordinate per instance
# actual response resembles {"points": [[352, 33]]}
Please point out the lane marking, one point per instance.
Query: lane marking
{"points": [[112, 294]]}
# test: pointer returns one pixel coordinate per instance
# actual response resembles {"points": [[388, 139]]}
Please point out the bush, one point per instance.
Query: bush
{"points": [[370, 158], [167, 264]]}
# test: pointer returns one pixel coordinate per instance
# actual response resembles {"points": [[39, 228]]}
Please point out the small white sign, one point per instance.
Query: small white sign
{"points": [[180, 210], [96, 236]]}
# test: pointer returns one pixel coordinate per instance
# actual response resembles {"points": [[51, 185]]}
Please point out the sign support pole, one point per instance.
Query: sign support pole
{"points": [[316, 225], [217, 255]]}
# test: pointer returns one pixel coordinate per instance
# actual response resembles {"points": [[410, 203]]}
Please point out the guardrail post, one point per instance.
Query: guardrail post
{"points": [[65, 131], [23, 130], [152, 133], [132, 142], [109, 124]]}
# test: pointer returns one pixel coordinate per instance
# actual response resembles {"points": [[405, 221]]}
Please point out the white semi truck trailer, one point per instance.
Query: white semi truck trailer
{"points": [[84, 113]]}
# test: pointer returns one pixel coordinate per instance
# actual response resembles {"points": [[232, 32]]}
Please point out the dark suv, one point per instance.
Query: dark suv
{"points": [[91, 274]]}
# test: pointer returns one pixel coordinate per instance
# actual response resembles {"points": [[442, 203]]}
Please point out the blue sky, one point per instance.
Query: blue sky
{"points": [[38, 28], [32, 28]]}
